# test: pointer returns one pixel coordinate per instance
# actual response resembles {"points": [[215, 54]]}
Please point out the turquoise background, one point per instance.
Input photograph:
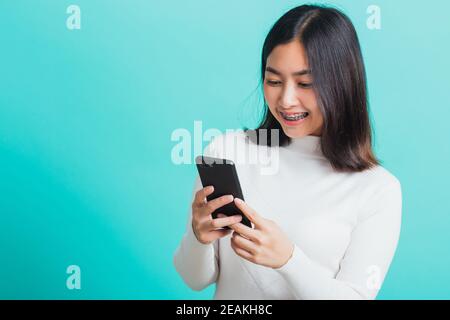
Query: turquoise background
{"points": [[86, 118]]}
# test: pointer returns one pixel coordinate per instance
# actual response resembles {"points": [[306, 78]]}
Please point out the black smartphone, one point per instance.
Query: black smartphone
{"points": [[222, 175]]}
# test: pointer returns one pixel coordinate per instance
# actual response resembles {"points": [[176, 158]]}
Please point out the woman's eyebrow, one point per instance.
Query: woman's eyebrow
{"points": [[297, 73]]}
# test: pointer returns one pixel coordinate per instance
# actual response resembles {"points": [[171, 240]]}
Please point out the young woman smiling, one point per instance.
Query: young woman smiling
{"points": [[326, 225]]}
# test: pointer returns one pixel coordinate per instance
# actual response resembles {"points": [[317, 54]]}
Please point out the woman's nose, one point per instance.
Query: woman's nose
{"points": [[288, 97]]}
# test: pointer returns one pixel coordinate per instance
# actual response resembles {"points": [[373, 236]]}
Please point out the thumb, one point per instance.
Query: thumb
{"points": [[249, 212]]}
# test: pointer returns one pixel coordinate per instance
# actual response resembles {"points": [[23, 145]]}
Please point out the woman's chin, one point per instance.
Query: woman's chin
{"points": [[293, 134]]}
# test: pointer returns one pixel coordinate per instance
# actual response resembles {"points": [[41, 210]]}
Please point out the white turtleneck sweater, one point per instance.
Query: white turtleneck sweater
{"points": [[345, 226]]}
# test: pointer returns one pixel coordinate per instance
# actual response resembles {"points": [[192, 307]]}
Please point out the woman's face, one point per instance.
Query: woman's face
{"points": [[288, 91]]}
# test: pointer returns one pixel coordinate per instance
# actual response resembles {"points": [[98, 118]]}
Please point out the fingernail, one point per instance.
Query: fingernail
{"points": [[237, 217], [238, 200], [210, 188]]}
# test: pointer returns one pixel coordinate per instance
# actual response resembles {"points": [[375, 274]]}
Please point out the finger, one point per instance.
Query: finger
{"points": [[216, 234], [215, 204], [251, 214], [243, 230], [200, 195], [244, 243], [241, 252], [223, 222]]}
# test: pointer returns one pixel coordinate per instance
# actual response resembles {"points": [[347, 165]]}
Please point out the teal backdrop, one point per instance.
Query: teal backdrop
{"points": [[86, 118]]}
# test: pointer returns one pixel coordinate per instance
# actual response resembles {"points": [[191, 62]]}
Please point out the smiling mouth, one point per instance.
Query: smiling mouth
{"points": [[294, 116]]}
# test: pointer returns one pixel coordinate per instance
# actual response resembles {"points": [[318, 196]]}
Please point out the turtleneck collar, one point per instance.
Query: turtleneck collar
{"points": [[308, 145]]}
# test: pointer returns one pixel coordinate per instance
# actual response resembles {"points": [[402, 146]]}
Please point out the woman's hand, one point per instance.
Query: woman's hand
{"points": [[203, 225], [266, 244]]}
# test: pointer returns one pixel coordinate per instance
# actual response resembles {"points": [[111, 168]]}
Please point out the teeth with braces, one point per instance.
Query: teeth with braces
{"points": [[295, 117]]}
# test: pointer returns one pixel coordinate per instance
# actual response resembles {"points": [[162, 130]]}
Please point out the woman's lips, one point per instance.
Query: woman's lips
{"points": [[292, 122]]}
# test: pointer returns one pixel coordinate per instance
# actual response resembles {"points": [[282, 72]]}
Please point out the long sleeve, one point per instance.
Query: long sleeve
{"points": [[367, 258], [197, 263]]}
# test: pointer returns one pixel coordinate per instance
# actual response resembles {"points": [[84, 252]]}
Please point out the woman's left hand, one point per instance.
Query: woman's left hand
{"points": [[266, 244]]}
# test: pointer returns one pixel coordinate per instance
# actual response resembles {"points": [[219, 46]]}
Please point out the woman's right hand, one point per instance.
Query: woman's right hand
{"points": [[203, 225]]}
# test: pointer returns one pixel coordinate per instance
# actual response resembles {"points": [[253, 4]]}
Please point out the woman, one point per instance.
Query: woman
{"points": [[326, 224]]}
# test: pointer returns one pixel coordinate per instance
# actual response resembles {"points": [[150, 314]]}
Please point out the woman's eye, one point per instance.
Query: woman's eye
{"points": [[300, 84], [273, 82]]}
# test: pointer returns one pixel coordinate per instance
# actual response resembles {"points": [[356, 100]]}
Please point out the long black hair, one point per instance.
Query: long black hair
{"points": [[339, 80]]}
